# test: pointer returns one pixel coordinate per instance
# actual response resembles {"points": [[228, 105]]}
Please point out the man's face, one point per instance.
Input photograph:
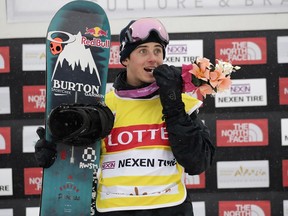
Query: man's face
{"points": [[141, 63]]}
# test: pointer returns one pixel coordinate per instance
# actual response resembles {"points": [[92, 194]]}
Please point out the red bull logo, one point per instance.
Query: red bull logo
{"points": [[96, 32]]}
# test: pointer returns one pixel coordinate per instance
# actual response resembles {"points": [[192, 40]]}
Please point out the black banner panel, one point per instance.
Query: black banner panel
{"points": [[248, 123]]}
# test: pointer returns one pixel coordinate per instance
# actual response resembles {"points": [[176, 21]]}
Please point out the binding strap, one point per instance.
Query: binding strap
{"points": [[79, 124]]}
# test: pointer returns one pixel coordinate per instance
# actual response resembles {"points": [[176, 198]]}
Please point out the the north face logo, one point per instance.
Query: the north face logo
{"points": [[4, 60], [242, 50], [249, 132]]}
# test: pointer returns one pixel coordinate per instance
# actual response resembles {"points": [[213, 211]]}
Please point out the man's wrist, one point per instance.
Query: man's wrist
{"points": [[170, 115]]}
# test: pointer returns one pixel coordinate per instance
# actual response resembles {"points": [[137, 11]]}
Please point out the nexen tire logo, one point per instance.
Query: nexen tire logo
{"points": [[242, 50], [240, 88], [242, 132], [177, 49]]}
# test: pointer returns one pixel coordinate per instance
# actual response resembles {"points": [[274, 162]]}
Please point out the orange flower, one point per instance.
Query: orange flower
{"points": [[225, 84], [204, 63], [216, 77], [201, 69], [205, 89]]}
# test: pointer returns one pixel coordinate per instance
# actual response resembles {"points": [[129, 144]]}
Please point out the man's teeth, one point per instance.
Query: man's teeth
{"points": [[149, 69]]}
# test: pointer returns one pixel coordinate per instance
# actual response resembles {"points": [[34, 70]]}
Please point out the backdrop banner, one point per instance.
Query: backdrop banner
{"points": [[43, 10]]}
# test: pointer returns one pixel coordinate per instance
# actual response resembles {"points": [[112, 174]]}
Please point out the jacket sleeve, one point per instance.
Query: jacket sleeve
{"points": [[191, 144]]}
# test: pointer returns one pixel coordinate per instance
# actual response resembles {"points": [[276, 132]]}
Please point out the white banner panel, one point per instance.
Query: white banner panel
{"points": [[34, 57], [43, 10], [5, 105], [282, 49], [285, 207], [6, 212], [6, 182], [243, 93], [180, 52], [199, 208], [32, 211], [30, 138], [284, 132], [243, 174]]}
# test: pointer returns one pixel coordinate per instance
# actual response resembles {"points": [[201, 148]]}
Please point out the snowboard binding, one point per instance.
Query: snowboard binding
{"points": [[80, 124]]}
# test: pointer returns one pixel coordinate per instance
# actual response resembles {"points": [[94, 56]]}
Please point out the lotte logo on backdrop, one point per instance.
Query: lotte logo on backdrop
{"points": [[249, 132], [242, 50]]}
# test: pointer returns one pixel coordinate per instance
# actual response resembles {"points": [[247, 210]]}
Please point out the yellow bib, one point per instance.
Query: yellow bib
{"points": [[138, 168]]}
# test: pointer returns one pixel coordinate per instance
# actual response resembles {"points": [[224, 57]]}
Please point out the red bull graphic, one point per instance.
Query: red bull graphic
{"points": [[96, 32]]}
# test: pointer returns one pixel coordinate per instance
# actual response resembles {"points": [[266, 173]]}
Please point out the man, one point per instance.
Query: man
{"points": [[156, 136]]}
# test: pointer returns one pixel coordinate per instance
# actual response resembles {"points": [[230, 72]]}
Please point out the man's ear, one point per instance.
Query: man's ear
{"points": [[125, 62]]}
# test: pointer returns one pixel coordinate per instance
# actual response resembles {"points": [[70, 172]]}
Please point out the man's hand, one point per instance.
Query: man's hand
{"points": [[45, 152], [169, 80]]}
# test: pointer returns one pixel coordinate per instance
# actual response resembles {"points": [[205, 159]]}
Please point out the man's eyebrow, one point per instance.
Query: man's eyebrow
{"points": [[144, 46]]}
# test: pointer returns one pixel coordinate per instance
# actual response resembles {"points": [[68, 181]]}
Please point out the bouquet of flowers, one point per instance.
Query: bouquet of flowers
{"points": [[209, 79]]}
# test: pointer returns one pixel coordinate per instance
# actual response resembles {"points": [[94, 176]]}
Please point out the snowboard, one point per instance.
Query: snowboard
{"points": [[77, 52]]}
